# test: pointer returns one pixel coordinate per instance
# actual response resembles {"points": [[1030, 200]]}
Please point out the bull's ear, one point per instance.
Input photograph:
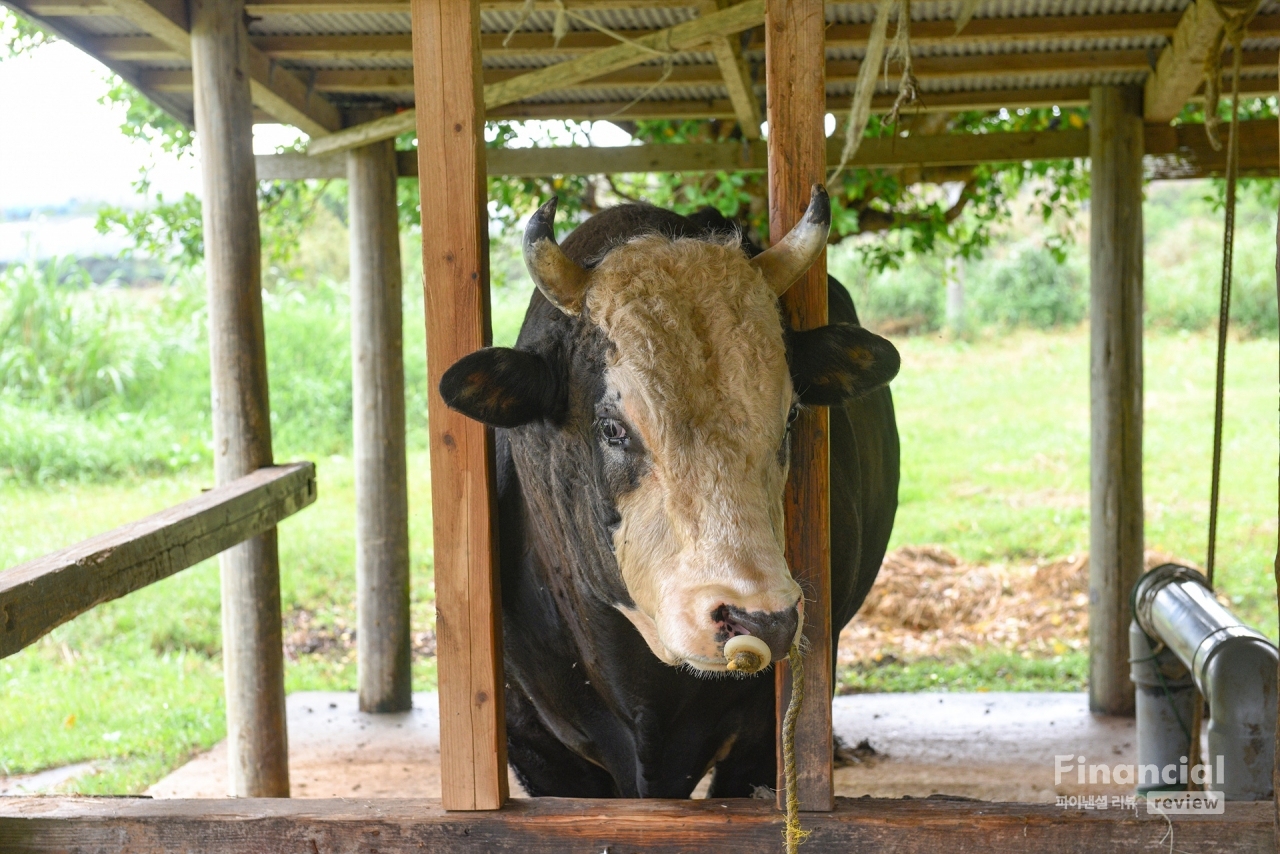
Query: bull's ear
{"points": [[504, 387], [832, 364]]}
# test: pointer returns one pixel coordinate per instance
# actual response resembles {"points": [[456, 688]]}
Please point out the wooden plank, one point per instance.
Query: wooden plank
{"points": [[555, 825], [797, 160], [735, 75], [378, 426], [681, 37], [276, 90], [1179, 71], [1172, 152], [38, 596], [455, 265], [1115, 456], [252, 653]]}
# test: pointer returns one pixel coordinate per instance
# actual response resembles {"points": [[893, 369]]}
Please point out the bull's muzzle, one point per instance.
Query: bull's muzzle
{"points": [[777, 629]]}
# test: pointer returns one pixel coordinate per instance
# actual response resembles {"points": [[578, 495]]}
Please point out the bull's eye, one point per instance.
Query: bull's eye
{"points": [[612, 431], [793, 415]]}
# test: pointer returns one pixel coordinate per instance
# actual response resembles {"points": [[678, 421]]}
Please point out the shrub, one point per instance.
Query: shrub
{"points": [[1030, 289]]}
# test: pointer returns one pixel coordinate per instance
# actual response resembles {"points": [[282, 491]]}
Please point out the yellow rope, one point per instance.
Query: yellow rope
{"points": [[793, 834]]}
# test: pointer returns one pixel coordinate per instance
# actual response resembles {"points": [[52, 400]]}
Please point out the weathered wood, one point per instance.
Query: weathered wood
{"points": [[278, 91], [734, 73], [1179, 71], [796, 106], [378, 426], [455, 265], [1183, 151], [1115, 462], [38, 596], [252, 654], [554, 825], [59, 8], [680, 37]]}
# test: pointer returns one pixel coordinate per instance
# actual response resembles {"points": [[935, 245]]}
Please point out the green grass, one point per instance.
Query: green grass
{"points": [[995, 449], [982, 670], [137, 683]]}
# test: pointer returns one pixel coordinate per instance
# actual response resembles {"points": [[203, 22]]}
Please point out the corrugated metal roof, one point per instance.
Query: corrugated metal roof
{"points": [[709, 88]]}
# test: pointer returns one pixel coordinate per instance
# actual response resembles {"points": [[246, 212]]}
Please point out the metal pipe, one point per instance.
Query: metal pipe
{"points": [[1233, 665], [1164, 707]]}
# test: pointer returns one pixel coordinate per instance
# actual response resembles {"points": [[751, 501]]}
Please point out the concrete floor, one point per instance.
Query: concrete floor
{"points": [[997, 747]]}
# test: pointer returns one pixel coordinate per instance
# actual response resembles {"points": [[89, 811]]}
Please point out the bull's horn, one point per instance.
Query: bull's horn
{"points": [[562, 281], [789, 258]]}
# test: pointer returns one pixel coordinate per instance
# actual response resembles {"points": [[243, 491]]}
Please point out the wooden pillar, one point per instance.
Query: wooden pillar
{"points": [[455, 265], [795, 72], [251, 645], [377, 366], [1115, 259]]}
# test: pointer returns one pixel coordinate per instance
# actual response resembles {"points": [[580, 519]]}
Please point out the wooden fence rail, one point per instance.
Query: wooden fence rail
{"points": [[867, 825], [40, 595]]}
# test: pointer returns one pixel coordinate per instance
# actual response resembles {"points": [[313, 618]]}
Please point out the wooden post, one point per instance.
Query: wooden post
{"points": [[455, 265], [795, 69], [1115, 259], [252, 654], [377, 366]]}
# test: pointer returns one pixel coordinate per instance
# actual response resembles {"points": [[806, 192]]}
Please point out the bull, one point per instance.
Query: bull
{"points": [[643, 442]]}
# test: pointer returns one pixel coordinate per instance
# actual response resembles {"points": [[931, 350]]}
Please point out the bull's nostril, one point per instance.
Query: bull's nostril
{"points": [[775, 628]]}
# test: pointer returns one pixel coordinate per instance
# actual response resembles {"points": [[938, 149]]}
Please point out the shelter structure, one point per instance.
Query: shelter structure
{"points": [[356, 74]]}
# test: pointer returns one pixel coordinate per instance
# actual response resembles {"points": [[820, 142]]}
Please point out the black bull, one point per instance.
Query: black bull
{"points": [[590, 711]]}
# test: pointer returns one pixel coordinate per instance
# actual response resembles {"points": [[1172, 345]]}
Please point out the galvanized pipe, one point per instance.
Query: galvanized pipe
{"points": [[1233, 665]]}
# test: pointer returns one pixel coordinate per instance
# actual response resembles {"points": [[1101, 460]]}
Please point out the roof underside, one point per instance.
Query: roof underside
{"points": [[356, 54]]}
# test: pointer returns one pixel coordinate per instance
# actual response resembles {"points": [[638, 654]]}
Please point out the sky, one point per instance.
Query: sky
{"points": [[61, 145]]}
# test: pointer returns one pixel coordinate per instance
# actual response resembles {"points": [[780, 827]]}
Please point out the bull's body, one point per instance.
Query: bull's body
{"points": [[590, 711]]}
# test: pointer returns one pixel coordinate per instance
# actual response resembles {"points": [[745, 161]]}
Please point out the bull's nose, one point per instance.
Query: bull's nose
{"points": [[775, 628]]}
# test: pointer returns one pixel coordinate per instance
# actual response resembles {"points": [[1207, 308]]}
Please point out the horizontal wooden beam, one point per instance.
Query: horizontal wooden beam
{"points": [[1172, 152], [528, 84], [40, 595], [267, 8], [535, 826]]}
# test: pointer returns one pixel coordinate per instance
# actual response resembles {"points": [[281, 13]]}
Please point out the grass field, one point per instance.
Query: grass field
{"points": [[995, 452]]}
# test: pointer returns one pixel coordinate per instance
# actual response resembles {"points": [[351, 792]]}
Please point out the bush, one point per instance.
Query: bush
{"points": [[1030, 289]]}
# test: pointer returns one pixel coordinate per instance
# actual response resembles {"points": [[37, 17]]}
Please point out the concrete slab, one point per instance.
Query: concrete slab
{"points": [[989, 746], [997, 746]]}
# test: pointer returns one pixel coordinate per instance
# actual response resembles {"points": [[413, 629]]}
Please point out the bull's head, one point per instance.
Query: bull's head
{"points": [[690, 420]]}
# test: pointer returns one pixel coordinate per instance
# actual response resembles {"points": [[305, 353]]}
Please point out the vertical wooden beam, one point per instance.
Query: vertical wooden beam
{"points": [[251, 644], [795, 72], [1115, 273], [377, 363], [455, 262]]}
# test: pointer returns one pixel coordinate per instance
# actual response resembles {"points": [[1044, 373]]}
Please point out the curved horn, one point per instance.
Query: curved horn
{"points": [[562, 281], [789, 258]]}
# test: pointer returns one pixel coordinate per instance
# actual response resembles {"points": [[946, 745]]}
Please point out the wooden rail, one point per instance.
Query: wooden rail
{"points": [[40, 595], [922, 826]]}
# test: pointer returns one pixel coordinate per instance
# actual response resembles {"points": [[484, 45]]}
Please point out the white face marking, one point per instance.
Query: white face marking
{"points": [[699, 372]]}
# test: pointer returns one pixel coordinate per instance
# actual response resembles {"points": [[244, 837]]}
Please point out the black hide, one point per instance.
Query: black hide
{"points": [[590, 711]]}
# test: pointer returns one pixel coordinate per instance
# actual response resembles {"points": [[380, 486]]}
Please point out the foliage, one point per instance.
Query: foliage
{"points": [[1030, 289], [172, 230], [18, 36]]}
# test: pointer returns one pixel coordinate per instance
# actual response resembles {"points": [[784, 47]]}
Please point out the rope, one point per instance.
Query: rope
{"points": [[1224, 308], [793, 834], [561, 27]]}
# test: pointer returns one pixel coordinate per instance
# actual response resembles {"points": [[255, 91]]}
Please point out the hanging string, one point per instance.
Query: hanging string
{"points": [[561, 27], [864, 89], [1224, 296]]}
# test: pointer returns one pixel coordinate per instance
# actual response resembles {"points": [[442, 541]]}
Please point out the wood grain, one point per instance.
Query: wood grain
{"points": [[797, 160], [252, 654], [39, 595], [1115, 456], [378, 426], [1179, 71], [455, 263], [554, 826]]}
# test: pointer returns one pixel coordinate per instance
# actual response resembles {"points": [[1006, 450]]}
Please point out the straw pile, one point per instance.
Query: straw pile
{"points": [[927, 602]]}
